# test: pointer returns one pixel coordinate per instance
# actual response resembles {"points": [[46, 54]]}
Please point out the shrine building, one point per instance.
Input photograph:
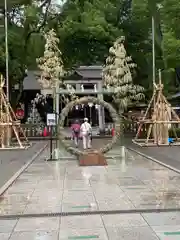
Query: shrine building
{"points": [[83, 78]]}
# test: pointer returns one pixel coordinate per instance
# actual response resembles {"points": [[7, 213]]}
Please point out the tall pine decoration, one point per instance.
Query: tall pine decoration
{"points": [[51, 64], [53, 72], [117, 73], [52, 67]]}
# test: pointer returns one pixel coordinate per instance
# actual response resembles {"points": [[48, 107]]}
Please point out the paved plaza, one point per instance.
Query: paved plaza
{"points": [[97, 143], [12, 160], [169, 155], [134, 184]]}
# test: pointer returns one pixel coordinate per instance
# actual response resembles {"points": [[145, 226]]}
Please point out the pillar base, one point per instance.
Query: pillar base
{"points": [[92, 159]]}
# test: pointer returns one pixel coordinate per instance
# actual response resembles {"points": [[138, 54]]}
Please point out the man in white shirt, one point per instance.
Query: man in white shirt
{"points": [[86, 132]]}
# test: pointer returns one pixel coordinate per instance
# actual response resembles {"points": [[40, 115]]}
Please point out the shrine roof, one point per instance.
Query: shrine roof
{"points": [[83, 72], [87, 72]]}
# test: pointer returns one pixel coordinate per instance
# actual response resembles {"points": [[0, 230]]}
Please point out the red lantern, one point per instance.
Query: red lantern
{"points": [[20, 113]]}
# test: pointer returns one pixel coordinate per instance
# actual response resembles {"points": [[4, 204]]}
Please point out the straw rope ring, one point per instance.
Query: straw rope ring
{"points": [[85, 100]]}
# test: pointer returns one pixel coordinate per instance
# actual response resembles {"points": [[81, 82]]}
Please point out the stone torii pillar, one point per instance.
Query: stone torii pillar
{"points": [[101, 115]]}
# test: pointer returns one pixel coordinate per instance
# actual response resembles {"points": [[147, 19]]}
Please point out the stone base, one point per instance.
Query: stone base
{"points": [[92, 159]]}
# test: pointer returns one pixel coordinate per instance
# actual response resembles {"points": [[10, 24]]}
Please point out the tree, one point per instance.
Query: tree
{"points": [[117, 73], [25, 20], [87, 30], [139, 38], [170, 13], [52, 67]]}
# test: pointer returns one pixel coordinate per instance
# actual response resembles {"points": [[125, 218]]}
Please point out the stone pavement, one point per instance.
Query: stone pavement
{"points": [[12, 160], [169, 155], [96, 143], [128, 184]]}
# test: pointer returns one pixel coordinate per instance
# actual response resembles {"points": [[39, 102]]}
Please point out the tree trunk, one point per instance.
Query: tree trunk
{"points": [[20, 92]]}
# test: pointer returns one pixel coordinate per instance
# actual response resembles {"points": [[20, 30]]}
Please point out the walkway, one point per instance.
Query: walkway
{"points": [[96, 143], [11, 161], [169, 155], [135, 185]]}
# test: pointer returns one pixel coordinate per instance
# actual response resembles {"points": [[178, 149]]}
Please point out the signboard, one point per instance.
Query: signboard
{"points": [[51, 119]]}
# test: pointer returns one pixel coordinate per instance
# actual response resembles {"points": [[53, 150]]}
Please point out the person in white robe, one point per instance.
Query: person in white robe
{"points": [[86, 133]]}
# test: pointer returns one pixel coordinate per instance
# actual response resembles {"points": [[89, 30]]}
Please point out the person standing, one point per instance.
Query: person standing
{"points": [[86, 132], [75, 128]]}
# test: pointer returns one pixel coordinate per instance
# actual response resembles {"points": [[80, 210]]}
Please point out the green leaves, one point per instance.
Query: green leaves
{"points": [[16, 64], [170, 15], [87, 29], [25, 20], [171, 47], [86, 34], [12, 4]]}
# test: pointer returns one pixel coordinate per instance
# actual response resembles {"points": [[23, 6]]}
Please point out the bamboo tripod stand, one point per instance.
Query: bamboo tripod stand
{"points": [[163, 118], [10, 129]]}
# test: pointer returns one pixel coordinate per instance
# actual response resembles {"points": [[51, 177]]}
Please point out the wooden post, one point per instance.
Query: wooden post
{"points": [[9, 124]]}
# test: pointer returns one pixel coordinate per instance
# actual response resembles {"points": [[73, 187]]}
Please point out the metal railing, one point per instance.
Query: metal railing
{"points": [[37, 130]]}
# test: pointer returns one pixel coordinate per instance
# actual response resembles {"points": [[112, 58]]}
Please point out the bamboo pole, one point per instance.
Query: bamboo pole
{"points": [[160, 120], [8, 123], [147, 110]]}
